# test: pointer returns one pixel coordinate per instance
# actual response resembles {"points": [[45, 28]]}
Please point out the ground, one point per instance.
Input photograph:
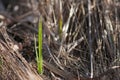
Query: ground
{"points": [[80, 39]]}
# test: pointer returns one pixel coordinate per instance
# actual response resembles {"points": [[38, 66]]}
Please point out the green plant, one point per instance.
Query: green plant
{"points": [[60, 28], [39, 57]]}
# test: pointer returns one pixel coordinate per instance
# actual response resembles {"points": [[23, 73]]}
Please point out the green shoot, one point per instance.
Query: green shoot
{"points": [[39, 57], [60, 28], [36, 49]]}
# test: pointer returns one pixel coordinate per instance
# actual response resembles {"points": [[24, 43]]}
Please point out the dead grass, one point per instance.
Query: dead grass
{"points": [[88, 45], [90, 40]]}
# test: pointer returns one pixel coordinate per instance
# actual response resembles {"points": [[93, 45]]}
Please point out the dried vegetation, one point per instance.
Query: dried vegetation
{"points": [[86, 46]]}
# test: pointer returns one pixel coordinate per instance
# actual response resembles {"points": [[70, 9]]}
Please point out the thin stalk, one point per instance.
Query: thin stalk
{"points": [[90, 38], [39, 53], [60, 27]]}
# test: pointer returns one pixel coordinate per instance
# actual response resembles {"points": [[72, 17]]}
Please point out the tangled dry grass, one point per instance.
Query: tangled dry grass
{"points": [[89, 43], [81, 38]]}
